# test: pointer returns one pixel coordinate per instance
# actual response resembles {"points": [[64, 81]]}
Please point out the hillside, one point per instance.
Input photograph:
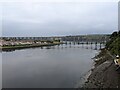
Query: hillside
{"points": [[104, 75], [113, 45]]}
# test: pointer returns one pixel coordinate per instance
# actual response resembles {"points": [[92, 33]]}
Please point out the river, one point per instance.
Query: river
{"points": [[54, 67]]}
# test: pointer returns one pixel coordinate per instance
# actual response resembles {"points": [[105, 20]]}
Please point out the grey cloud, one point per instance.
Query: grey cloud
{"points": [[49, 19]]}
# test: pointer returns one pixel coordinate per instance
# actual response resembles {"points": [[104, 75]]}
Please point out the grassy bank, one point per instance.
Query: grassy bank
{"points": [[4, 48], [103, 56]]}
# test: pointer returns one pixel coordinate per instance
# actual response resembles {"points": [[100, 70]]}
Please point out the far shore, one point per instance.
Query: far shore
{"points": [[10, 47]]}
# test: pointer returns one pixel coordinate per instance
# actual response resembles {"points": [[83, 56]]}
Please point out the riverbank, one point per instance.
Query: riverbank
{"points": [[7, 48], [104, 75]]}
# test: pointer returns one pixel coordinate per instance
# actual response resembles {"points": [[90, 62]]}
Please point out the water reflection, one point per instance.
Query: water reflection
{"points": [[47, 67], [63, 46]]}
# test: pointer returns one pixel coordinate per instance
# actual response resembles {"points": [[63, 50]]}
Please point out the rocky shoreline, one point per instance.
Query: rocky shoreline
{"points": [[104, 74]]}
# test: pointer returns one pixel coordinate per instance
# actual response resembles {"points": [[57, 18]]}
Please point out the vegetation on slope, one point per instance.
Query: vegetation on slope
{"points": [[113, 45]]}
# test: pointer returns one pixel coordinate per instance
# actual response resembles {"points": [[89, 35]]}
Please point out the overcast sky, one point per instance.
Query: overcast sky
{"points": [[63, 18]]}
